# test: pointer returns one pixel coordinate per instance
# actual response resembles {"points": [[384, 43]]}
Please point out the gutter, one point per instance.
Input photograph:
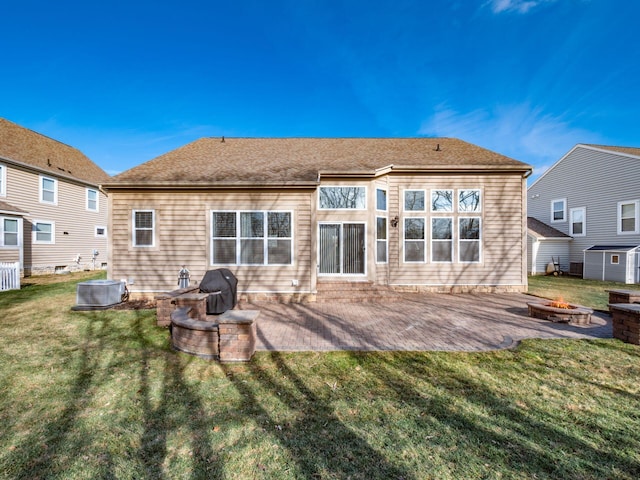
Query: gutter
{"points": [[59, 173], [205, 186]]}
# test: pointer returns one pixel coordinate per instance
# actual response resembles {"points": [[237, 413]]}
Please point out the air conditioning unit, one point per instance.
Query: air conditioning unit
{"points": [[99, 293]]}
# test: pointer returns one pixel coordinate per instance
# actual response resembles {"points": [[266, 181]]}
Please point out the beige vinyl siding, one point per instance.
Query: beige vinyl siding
{"points": [[183, 232], [9, 254], [69, 215], [503, 247]]}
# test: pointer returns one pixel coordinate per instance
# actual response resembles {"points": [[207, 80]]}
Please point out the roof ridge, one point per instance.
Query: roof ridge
{"points": [[43, 135]]}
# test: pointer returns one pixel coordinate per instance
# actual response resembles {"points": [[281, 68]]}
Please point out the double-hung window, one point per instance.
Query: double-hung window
{"points": [[469, 239], [469, 227], [414, 240], [92, 200], [441, 239], [381, 239], [559, 210], [9, 237], [577, 222], [48, 190], [144, 228], [251, 238], [381, 226], [628, 217], [43, 232]]}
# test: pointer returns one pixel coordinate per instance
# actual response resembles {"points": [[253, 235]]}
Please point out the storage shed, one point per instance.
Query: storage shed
{"points": [[613, 263]]}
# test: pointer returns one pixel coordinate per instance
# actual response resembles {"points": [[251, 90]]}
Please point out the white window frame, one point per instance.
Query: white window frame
{"points": [[616, 257], [462, 240], [386, 200], [572, 212], [18, 232], [265, 238], [436, 240], [564, 210], [385, 240], [404, 200], [405, 240], [3, 180], [364, 197], [97, 200], [434, 190], [636, 204], [34, 232], [42, 190], [98, 235], [134, 228]]}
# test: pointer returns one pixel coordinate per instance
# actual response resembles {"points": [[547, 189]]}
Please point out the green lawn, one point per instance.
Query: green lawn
{"points": [[87, 395], [590, 293]]}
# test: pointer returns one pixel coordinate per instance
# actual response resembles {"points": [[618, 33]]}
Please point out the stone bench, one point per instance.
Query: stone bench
{"points": [[229, 337], [626, 321], [194, 336], [624, 296]]}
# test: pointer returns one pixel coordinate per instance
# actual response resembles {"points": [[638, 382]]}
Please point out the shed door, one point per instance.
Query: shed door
{"points": [[342, 249]]}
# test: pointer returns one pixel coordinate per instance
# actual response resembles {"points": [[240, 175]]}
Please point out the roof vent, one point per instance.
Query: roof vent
{"points": [[438, 147]]}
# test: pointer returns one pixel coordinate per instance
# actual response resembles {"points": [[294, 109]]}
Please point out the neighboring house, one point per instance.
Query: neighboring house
{"points": [[592, 194], [53, 215], [287, 214]]}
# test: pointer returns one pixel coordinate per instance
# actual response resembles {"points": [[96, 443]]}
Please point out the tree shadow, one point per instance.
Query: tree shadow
{"points": [[529, 441]]}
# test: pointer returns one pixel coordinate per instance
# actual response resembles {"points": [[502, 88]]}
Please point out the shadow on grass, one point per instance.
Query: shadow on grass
{"points": [[319, 443], [169, 416], [517, 438]]}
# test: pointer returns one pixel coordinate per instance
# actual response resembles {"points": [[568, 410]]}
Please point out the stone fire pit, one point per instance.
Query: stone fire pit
{"points": [[560, 312]]}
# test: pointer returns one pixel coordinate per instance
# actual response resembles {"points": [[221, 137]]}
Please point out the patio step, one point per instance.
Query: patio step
{"points": [[355, 292]]}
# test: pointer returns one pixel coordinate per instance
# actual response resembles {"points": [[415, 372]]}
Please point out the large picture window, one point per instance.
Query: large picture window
{"points": [[628, 216], [469, 240], [251, 238], [340, 198], [414, 240], [143, 228], [441, 239]]}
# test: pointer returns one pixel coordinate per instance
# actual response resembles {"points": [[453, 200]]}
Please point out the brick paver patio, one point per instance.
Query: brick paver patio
{"points": [[421, 322]]}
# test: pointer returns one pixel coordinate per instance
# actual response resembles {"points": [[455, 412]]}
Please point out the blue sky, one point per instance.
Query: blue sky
{"points": [[126, 81]]}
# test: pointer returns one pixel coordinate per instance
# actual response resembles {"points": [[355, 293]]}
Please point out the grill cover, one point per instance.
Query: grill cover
{"points": [[223, 285]]}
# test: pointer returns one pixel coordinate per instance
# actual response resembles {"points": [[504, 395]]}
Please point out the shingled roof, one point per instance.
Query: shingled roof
{"points": [[10, 209], [627, 150], [22, 146], [297, 161], [542, 230]]}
